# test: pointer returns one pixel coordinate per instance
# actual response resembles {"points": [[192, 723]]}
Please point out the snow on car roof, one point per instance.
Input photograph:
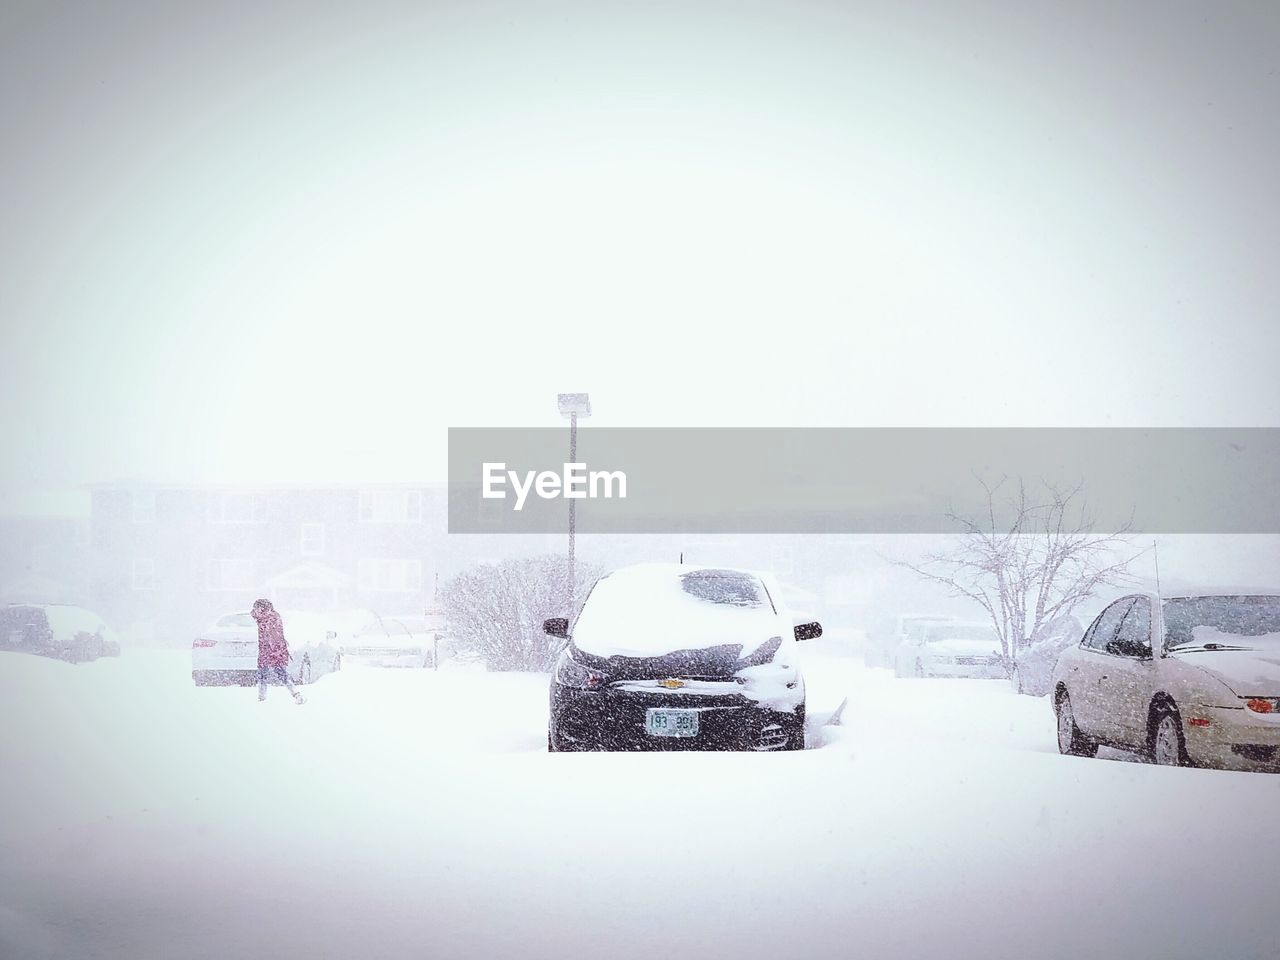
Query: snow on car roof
{"points": [[961, 630], [653, 609], [1182, 591]]}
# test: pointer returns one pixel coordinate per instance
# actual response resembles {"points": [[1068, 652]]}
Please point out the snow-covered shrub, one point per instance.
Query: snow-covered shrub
{"points": [[496, 610]]}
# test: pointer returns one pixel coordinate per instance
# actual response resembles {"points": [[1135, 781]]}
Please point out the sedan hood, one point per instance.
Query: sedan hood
{"points": [[1249, 673], [715, 662], [964, 648]]}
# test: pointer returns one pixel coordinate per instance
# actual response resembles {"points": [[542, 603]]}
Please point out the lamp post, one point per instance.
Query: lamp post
{"points": [[573, 406]]}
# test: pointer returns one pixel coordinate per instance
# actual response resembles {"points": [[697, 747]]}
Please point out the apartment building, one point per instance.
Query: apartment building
{"points": [[167, 559]]}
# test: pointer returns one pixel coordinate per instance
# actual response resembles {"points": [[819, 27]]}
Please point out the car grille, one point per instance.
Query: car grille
{"points": [[772, 737]]}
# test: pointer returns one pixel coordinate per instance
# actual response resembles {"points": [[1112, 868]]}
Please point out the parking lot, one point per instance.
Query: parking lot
{"points": [[417, 813]]}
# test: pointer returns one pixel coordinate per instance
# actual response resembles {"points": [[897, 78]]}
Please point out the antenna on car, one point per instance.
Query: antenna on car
{"points": [[682, 558]]}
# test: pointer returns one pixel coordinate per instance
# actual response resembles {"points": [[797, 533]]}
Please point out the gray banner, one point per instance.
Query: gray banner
{"points": [[865, 480]]}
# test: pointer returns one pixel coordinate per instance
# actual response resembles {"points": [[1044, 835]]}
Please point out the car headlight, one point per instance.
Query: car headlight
{"points": [[1264, 704], [571, 673]]}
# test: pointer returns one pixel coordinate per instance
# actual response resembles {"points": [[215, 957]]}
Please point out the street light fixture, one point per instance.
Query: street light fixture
{"points": [[573, 406]]}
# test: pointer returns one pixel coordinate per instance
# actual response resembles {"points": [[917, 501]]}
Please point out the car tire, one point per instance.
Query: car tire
{"points": [[1071, 742], [1167, 745]]}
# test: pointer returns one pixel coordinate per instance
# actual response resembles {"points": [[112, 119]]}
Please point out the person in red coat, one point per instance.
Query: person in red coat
{"points": [[273, 650]]}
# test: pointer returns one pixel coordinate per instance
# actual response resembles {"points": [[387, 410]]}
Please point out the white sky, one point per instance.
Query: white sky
{"points": [[260, 242]]}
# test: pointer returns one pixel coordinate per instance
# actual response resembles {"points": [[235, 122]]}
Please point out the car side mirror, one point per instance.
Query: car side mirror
{"points": [[556, 627], [808, 631]]}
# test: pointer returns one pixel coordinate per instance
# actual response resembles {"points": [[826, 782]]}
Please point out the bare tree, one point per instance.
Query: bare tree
{"points": [[1029, 561], [496, 611]]}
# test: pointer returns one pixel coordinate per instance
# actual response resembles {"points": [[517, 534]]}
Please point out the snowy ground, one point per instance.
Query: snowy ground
{"points": [[417, 814]]}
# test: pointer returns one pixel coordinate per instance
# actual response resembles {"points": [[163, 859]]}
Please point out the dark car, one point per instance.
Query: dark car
{"points": [[56, 630], [671, 657]]}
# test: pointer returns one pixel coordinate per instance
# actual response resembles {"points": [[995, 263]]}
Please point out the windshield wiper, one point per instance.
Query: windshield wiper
{"points": [[1206, 646]]}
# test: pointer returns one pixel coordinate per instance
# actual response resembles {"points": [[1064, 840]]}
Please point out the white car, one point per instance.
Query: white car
{"points": [[227, 652], [907, 627], [1187, 679], [396, 641], [951, 649]]}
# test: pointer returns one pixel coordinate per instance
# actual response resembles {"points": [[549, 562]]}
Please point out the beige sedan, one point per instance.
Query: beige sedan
{"points": [[1191, 679]]}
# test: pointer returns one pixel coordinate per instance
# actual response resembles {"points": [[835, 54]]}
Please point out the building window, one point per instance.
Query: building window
{"points": [[230, 575], [389, 576], [312, 540], [235, 508], [390, 506], [144, 574], [144, 506]]}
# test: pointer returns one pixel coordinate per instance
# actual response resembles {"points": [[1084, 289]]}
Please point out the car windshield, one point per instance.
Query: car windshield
{"points": [[918, 628], [1227, 621], [402, 625], [17, 620], [723, 586], [236, 620]]}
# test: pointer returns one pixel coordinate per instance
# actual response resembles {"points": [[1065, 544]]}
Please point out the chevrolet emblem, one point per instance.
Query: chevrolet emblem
{"points": [[671, 683]]}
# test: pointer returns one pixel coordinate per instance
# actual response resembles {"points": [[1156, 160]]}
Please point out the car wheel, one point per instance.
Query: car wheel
{"points": [[1168, 746], [1071, 741]]}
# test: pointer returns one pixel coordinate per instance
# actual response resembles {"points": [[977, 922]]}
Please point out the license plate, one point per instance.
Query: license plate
{"points": [[671, 723]]}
